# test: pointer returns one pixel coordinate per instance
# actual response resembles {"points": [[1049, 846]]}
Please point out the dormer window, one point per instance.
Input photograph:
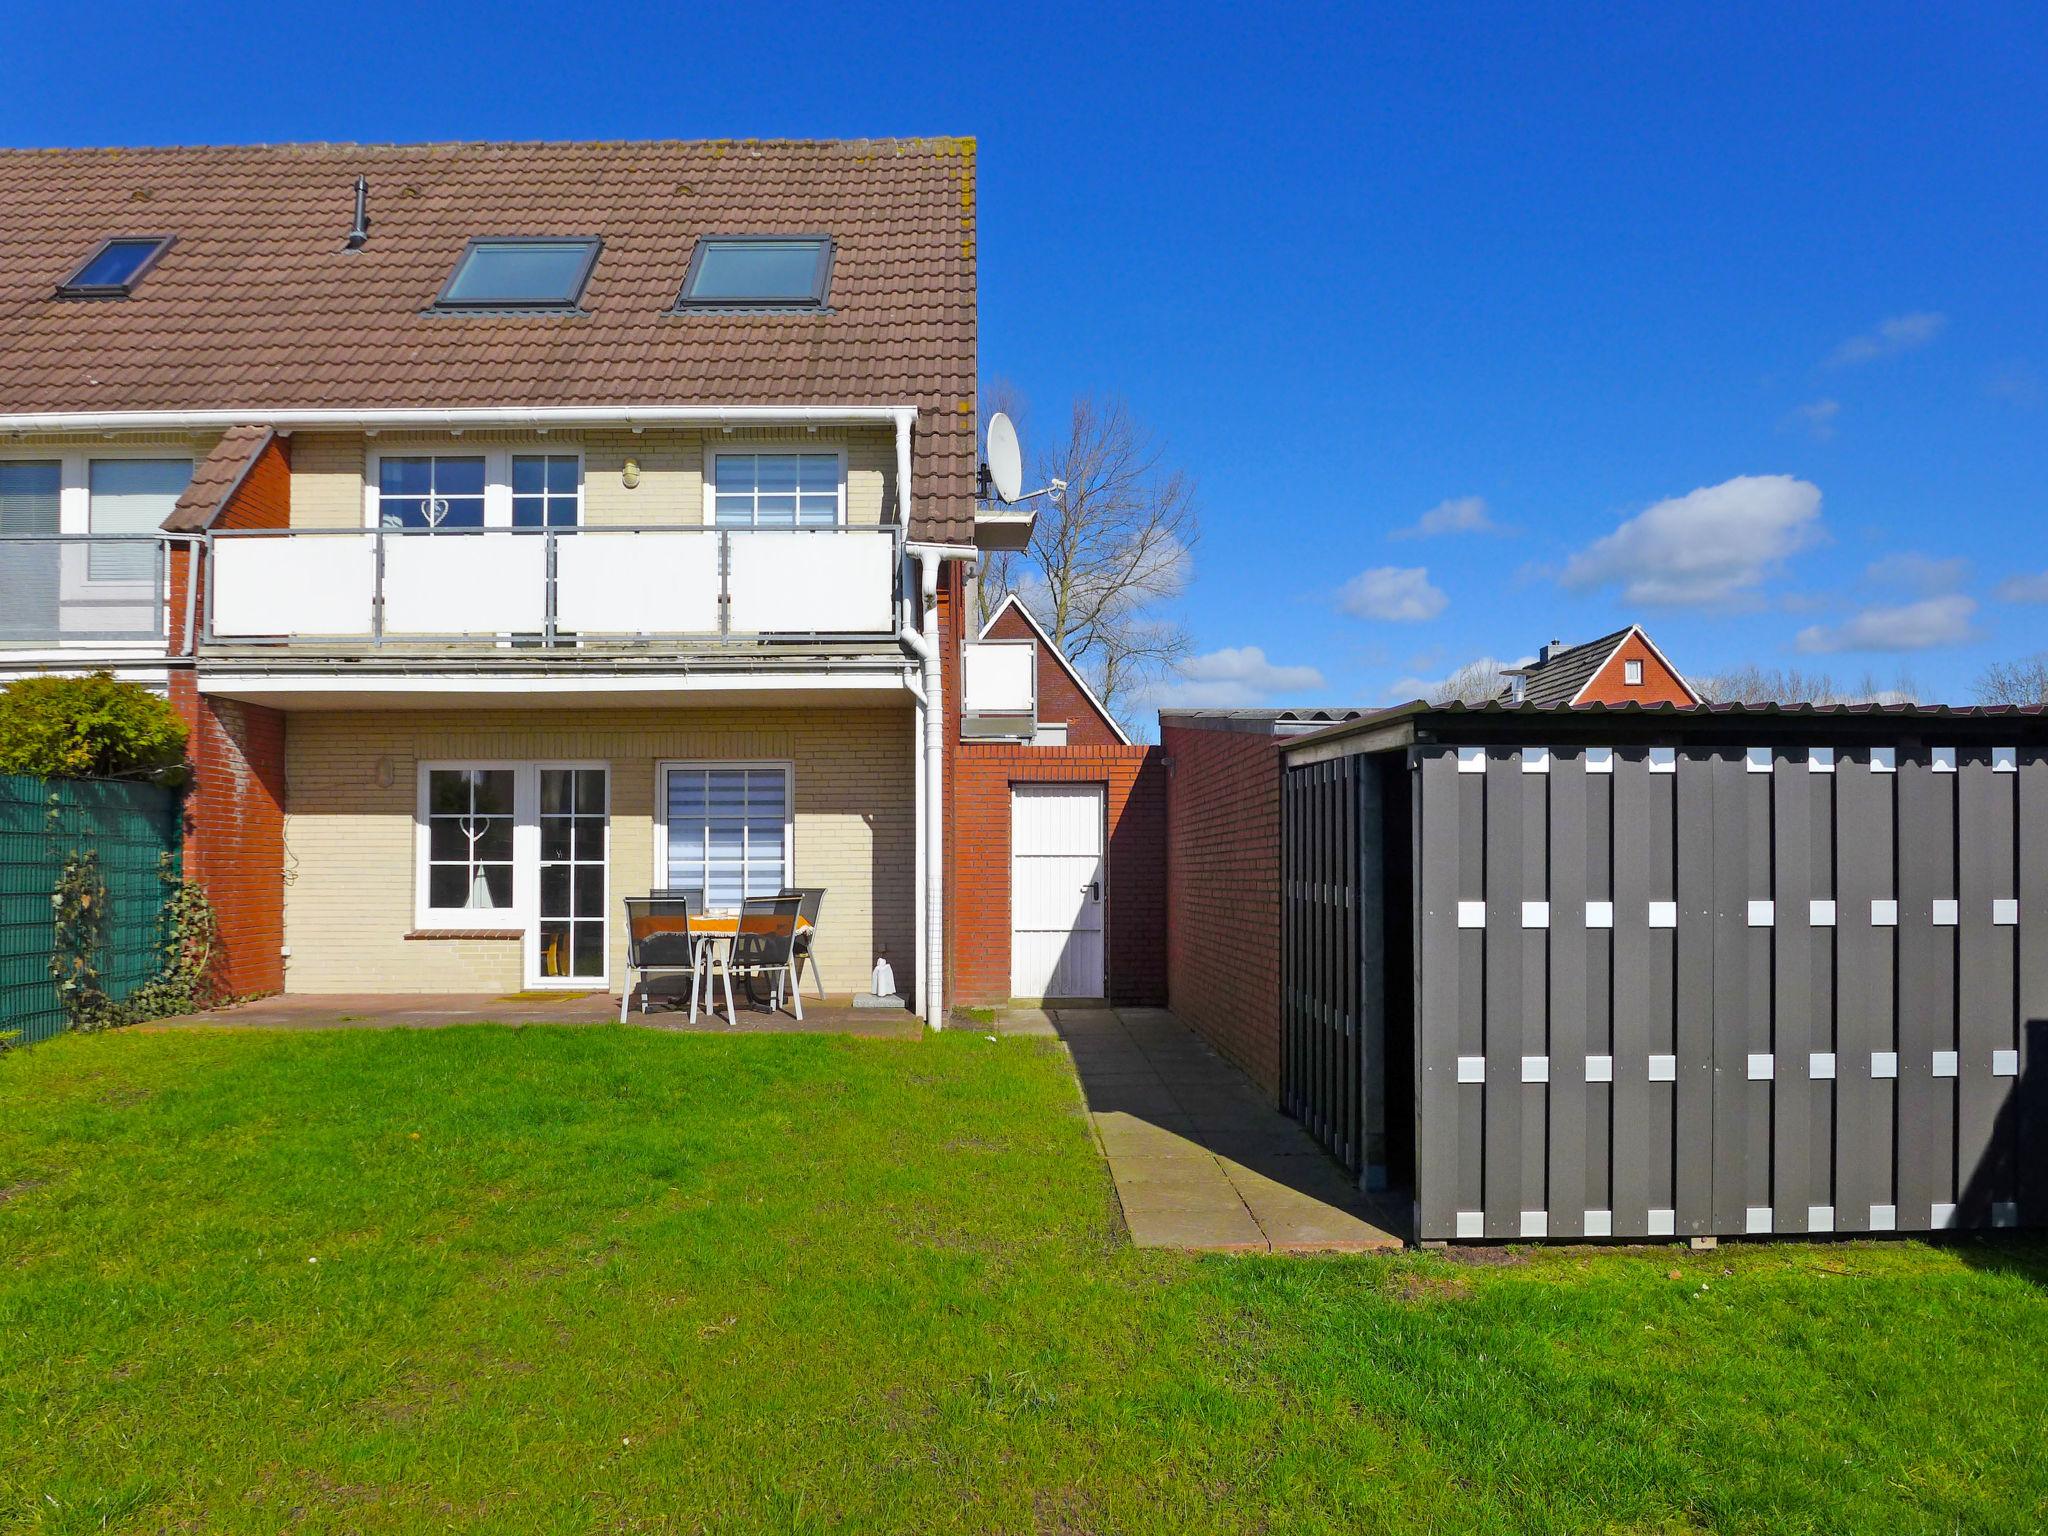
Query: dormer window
{"points": [[758, 272], [1632, 673], [540, 274], [113, 270]]}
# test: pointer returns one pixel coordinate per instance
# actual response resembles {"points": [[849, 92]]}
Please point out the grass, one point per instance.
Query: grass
{"points": [[602, 1279]]}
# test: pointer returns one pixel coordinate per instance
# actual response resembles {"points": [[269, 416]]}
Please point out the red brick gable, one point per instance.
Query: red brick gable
{"points": [[1660, 684], [1061, 694]]}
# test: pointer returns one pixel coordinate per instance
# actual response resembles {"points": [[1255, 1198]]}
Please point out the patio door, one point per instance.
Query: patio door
{"points": [[1056, 890], [566, 943]]}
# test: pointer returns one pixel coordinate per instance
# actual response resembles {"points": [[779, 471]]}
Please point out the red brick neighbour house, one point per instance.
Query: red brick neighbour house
{"points": [[1622, 668], [524, 527]]}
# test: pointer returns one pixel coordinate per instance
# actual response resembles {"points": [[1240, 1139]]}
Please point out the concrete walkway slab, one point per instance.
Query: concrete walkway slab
{"points": [[1201, 1159]]}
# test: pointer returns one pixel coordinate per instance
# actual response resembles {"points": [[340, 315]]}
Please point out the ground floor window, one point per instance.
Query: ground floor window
{"points": [[725, 829], [519, 847]]}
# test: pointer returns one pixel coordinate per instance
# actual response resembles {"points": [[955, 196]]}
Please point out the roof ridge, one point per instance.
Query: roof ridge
{"points": [[938, 142]]}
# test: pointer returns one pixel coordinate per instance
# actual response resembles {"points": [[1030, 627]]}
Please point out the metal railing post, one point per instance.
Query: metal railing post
{"points": [[724, 538], [551, 578], [377, 594]]}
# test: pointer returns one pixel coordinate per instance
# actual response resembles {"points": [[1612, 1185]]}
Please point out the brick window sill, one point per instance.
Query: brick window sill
{"points": [[467, 933]]}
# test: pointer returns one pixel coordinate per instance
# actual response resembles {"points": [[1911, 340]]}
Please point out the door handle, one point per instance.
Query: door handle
{"points": [[1094, 890]]}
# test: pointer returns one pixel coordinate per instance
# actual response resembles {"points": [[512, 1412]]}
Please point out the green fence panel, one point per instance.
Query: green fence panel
{"points": [[42, 823]]}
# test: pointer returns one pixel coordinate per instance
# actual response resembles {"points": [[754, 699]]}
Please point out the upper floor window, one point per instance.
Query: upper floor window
{"points": [[755, 271], [1632, 673], [430, 491], [546, 490], [520, 274], [128, 500], [777, 490], [112, 271]]}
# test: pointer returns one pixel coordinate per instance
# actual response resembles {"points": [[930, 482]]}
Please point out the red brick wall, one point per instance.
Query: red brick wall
{"points": [[234, 815], [1134, 782], [1223, 892], [1660, 685], [1059, 696]]}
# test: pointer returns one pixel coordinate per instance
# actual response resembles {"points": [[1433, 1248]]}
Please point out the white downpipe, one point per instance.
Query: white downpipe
{"points": [[931, 991]]}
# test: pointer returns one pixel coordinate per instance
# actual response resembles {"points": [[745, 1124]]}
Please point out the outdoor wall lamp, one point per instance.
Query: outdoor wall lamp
{"points": [[629, 476]]}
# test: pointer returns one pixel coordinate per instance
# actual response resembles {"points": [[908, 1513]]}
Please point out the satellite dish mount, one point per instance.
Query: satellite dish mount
{"points": [[1004, 466]]}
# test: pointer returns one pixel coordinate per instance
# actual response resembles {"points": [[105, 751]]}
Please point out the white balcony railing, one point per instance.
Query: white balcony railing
{"points": [[594, 584]]}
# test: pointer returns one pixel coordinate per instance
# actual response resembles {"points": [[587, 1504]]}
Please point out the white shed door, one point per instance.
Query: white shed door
{"points": [[1056, 890]]}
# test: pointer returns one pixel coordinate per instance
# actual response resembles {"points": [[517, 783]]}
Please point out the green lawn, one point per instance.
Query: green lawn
{"points": [[605, 1279]]}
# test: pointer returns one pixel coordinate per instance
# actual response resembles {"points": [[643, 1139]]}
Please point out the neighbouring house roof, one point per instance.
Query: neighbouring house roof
{"points": [[1047, 648], [1562, 677], [216, 477], [260, 304]]}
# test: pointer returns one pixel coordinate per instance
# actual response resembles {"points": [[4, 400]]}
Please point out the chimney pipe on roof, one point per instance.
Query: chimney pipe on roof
{"points": [[361, 232], [1553, 650]]}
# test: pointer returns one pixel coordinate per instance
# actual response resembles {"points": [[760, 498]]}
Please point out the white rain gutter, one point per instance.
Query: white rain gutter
{"points": [[505, 416]]}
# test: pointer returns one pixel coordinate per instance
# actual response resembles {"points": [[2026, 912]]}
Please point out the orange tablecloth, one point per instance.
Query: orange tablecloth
{"points": [[723, 925]]}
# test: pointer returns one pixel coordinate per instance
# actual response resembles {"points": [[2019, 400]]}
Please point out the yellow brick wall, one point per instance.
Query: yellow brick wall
{"points": [[350, 837], [328, 469]]}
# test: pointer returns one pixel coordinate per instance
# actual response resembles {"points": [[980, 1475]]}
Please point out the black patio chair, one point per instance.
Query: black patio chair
{"points": [[659, 943], [764, 948], [813, 897]]}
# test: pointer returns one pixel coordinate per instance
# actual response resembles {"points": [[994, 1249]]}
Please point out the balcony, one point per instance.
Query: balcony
{"points": [[547, 587], [81, 591]]}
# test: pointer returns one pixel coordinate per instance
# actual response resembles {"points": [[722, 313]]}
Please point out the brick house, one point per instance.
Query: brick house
{"points": [[1622, 668], [521, 527]]}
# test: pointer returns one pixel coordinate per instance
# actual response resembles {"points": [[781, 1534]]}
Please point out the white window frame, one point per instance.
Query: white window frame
{"points": [[532, 946], [664, 768], [497, 474], [1632, 672], [74, 519], [794, 445]]}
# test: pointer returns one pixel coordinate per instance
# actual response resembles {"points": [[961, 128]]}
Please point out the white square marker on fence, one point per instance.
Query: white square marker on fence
{"points": [[2005, 1063], [1471, 759], [1884, 914], [1943, 1215], [1535, 1069], [1471, 1224], [1663, 759], [1757, 1218], [1471, 1069], [1884, 1218], [1942, 759], [1884, 1063], [2005, 1213], [1599, 1069], [1661, 1223], [1599, 759], [1599, 1223], [2005, 759], [1535, 914], [1599, 914], [1471, 914], [1535, 759], [1535, 1223], [1821, 914], [1946, 914], [1758, 759], [1663, 1069], [1820, 1064], [1820, 1218], [1944, 1063], [1762, 1066], [1820, 759], [1663, 914], [2005, 911], [1884, 759], [1763, 914]]}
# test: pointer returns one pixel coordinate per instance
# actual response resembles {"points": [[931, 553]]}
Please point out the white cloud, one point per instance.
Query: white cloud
{"points": [[1714, 545], [1817, 417], [1236, 677], [1395, 593], [1922, 573], [2024, 589], [1461, 514], [1900, 333], [1916, 626]]}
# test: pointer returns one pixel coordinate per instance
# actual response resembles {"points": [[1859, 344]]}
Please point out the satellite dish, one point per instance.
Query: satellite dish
{"points": [[1005, 463]]}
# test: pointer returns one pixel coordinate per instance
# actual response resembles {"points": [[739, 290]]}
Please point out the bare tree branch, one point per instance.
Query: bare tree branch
{"points": [[2024, 681], [1753, 684], [1106, 553]]}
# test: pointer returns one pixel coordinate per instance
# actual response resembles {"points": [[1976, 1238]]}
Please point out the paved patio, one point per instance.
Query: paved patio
{"points": [[414, 1010], [1202, 1159]]}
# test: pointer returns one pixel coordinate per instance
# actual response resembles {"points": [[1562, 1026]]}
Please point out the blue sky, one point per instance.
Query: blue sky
{"points": [[1730, 320]]}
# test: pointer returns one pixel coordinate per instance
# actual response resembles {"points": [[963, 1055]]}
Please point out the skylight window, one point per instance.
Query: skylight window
{"points": [[520, 274], [112, 271], [758, 271]]}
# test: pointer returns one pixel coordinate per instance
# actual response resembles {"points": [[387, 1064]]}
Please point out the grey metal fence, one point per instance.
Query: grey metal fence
{"points": [[57, 589]]}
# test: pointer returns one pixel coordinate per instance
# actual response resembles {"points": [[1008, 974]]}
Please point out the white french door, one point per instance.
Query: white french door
{"points": [[565, 943], [1056, 890]]}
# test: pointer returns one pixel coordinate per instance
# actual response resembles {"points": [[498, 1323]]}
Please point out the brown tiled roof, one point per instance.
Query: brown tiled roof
{"points": [[215, 477], [260, 305]]}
